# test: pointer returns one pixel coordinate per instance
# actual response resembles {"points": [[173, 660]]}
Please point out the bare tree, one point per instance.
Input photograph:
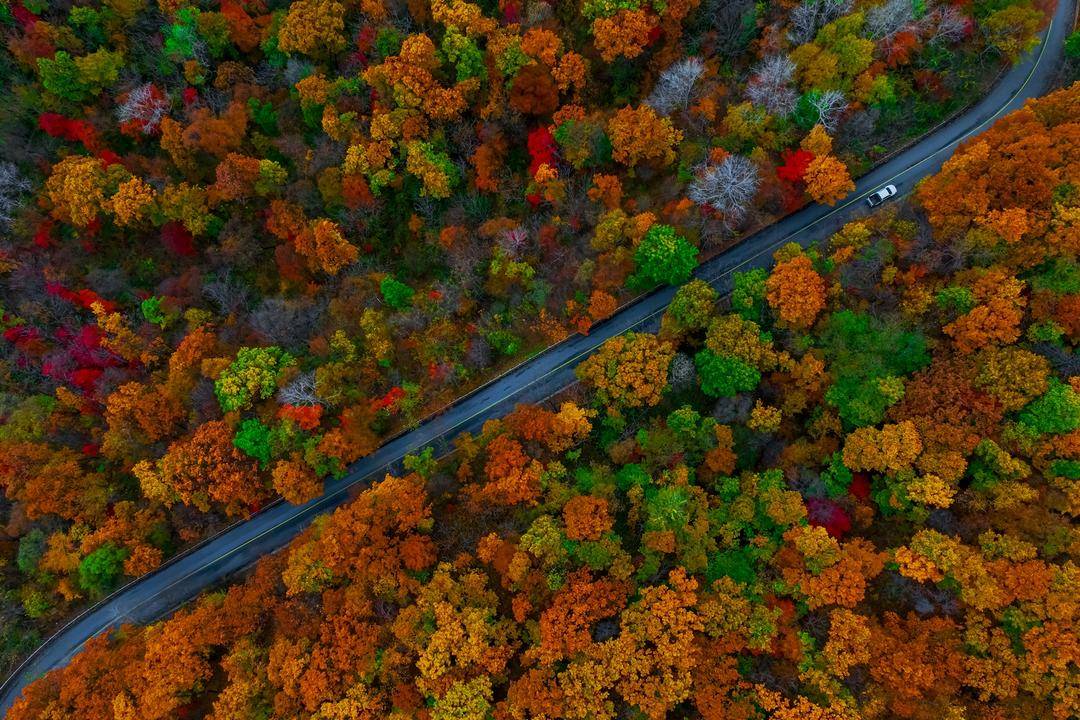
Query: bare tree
{"points": [[267, 75], [951, 25], [777, 100], [145, 105], [675, 86], [769, 85], [466, 260], [808, 17], [728, 187], [774, 70], [681, 372], [478, 354], [537, 13], [283, 322], [301, 391], [885, 20], [514, 241], [733, 409], [227, 293], [859, 128], [830, 105], [729, 21], [12, 187], [1064, 361]]}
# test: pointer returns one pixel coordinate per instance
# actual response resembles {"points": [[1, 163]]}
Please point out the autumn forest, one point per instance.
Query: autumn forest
{"points": [[243, 243]]}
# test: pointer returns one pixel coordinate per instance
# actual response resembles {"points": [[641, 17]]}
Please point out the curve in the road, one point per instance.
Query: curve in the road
{"points": [[155, 595]]}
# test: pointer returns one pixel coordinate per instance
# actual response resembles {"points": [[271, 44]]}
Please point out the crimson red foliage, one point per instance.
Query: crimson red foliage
{"points": [[542, 148], [389, 399], [827, 514], [177, 240], [795, 164]]}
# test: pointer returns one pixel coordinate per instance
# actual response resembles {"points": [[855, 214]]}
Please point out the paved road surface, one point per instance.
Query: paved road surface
{"points": [[187, 575]]}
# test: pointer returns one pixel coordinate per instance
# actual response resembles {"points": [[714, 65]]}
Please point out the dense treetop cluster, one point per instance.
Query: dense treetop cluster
{"points": [[848, 493], [242, 241]]}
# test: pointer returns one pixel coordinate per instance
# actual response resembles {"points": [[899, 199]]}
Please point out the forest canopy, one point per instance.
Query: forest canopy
{"points": [[853, 501], [242, 242]]}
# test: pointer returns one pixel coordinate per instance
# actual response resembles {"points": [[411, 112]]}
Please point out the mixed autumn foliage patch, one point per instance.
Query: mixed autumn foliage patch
{"points": [[849, 491], [244, 241]]}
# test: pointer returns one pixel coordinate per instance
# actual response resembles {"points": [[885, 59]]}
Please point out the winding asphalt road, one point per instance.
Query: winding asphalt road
{"points": [[213, 561]]}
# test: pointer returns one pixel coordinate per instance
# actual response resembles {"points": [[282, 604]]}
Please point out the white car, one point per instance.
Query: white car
{"points": [[879, 196]]}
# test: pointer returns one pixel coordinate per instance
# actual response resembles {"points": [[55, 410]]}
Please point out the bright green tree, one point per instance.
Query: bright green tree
{"points": [[748, 293], [99, 571], [60, 76], [693, 305], [725, 376], [252, 375], [397, 294], [1056, 412], [663, 257], [253, 439]]}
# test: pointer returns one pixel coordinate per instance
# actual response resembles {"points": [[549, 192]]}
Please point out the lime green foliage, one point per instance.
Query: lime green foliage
{"points": [[1045, 331], [1013, 29], [36, 602], [152, 312], [388, 41], [253, 375], [725, 376], [991, 464], [842, 37], [60, 76], [466, 57], [693, 305], [214, 30], [836, 476], [666, 509], [748, 293], [955, 298], [545, 540], [583, 144], [1056, 412], [512, 59], [181, 37], [423, 464], [263, 115], [1060, 276], [868, 359], [882, 91], [1069, 469], [99, 571], [89, 22], [77, 79], [632, 475], [693, 431], [592, 9], [504, 341], [99, 70], [434, 168], [395, 293], [663, 257], [254, 440]]}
